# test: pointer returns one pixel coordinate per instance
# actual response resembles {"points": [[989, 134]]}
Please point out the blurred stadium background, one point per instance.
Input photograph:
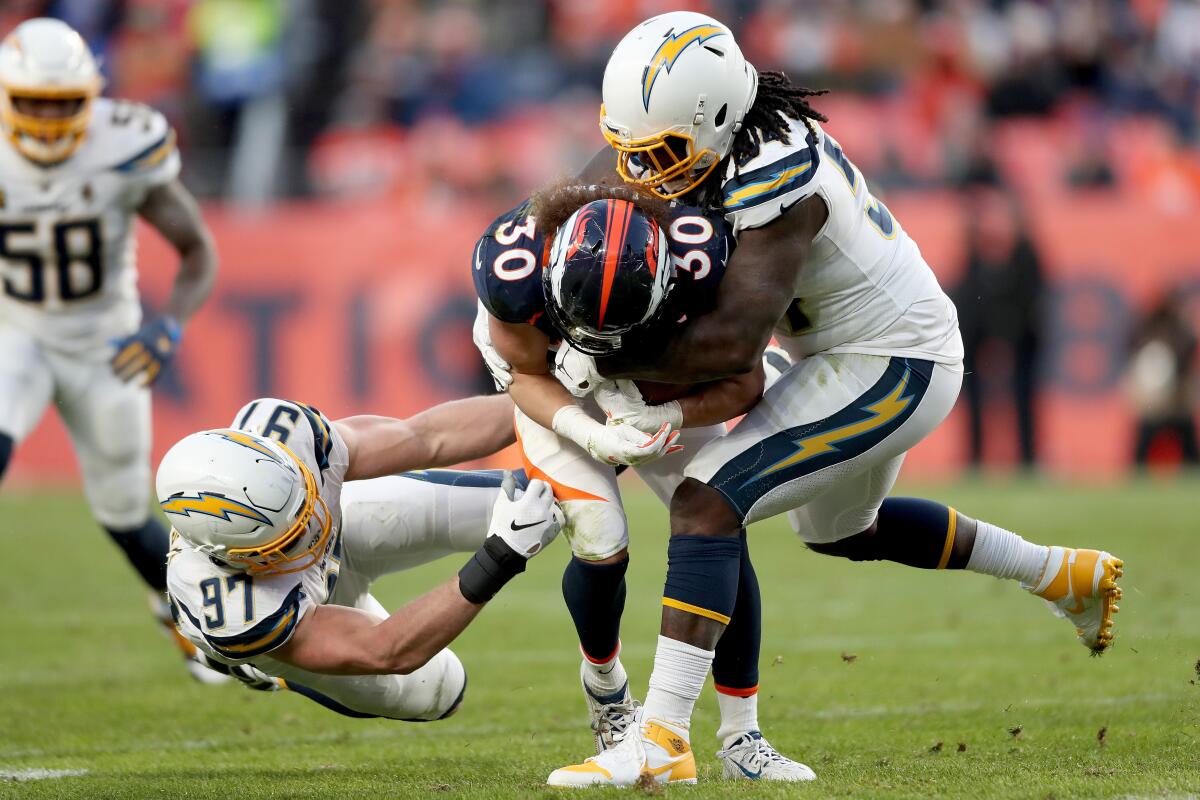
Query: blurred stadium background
{"points": [[1043, 155]]}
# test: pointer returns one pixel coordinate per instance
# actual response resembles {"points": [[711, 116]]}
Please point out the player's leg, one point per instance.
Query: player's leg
{"points": [[593, 582], [26, 387]]}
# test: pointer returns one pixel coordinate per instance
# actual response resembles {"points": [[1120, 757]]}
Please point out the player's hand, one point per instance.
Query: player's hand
{"points": [[481, 332], [146, 352], [616, 444], [526, 521], [623, 404], [576, 371]]}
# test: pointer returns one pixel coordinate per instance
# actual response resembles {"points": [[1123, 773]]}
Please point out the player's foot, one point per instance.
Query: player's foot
{"points": [[650, 751], [752, 757], [193, 660], [608, 715], [1081, 587]]}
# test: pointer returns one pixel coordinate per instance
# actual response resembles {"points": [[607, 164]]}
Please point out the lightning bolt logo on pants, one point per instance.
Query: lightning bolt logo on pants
{"points": [[880, 413]]}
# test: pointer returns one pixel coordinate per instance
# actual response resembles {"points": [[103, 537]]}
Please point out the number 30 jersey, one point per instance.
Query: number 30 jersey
{"points": [[67, 247], [230, 614], [864, 288], [509, 257]]}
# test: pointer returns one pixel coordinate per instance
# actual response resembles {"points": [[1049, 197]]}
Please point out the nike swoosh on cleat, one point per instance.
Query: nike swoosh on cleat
{"points": [[751, 775], [517, 527]]}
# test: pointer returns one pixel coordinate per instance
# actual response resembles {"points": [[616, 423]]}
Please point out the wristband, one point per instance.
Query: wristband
{"points": [[492, 566]]}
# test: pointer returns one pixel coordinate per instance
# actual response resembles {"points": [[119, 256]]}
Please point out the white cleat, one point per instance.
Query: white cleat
{"points": [[608, 720], [1081, 587], [751, 757], [649, 752]]}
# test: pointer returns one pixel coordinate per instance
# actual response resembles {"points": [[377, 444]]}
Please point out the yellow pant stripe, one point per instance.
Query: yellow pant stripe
{"points": [[697, 610], [951, 526]]}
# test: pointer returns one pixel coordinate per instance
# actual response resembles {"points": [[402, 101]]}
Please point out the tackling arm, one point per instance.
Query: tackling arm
{"points": [[755, 293], [173, 212], [723, 400], [442, 436]]}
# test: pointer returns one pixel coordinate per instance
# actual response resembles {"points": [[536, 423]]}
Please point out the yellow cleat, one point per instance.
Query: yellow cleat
{"points": [[650, 752], [1081, 586]]}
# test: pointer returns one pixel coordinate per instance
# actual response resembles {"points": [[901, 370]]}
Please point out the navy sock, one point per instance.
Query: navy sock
{"points": [[702, 575], [595, 596], [146, 549], [735, 665], [6, 450], [911, 531]]}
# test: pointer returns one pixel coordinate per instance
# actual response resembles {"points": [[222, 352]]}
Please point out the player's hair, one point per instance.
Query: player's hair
{"points": [[554, 204], [777, 99]]}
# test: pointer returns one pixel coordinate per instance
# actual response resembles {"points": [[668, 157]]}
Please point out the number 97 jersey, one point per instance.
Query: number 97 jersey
{"points": [[509, 258], [67, 245]]}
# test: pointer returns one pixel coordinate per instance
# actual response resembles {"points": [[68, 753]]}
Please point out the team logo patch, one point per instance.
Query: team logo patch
{"points": [[669, 51], [211, 504]]}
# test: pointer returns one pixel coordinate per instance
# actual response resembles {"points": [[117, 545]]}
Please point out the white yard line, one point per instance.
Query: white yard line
{"points": [[21, 775]]}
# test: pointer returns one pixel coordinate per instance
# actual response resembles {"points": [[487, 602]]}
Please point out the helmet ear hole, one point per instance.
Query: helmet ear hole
{"points": [[719, 119]]}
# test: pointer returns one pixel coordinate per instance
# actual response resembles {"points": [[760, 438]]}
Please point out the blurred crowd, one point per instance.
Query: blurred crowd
{"points": [[439, 102], [295, 97]]}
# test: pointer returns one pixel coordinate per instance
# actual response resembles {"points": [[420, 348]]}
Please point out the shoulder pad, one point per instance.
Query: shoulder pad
{"points": [[291, 423], [764, 187], [507, 267], [130, 137], [701, 244], [233, 624]]}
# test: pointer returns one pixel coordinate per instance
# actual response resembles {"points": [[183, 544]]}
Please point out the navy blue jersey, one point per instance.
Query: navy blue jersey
{"points": [[508, 261]]}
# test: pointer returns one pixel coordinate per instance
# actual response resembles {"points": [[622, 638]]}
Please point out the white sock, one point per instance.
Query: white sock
{"points": [[678, 677], [1004, 554], [605, 677], [738, 715]]}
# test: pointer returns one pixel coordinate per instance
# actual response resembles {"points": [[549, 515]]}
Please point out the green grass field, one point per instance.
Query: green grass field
{"points": [[889, 682]]}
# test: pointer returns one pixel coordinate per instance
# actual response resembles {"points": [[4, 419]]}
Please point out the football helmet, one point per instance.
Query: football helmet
{"points": [[244, 500], [609, 271], [46, 60], [675, 92]]}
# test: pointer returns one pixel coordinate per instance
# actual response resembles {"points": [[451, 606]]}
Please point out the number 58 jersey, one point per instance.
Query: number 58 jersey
{"points": [[67, 247]]}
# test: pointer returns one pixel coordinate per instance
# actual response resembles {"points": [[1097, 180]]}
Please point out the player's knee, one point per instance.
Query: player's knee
{"points": [[596, 530], [119, 499], [6, 450], [443, 687], [700, 510], [859, 547]]}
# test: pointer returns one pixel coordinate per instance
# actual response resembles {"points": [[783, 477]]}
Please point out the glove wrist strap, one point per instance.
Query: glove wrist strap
{"points": [[492, 566]]}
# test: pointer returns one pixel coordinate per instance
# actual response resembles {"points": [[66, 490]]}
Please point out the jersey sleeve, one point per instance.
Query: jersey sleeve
{"points": [[758, 192], [231, 614], [507, 268], [304, 429], [701, 245], [143, 148]]}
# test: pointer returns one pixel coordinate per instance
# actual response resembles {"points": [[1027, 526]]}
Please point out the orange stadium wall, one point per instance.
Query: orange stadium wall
{"points": [[365, 308]]}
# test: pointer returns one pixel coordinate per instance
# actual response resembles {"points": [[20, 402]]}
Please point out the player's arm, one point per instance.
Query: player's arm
{"points": [[447, 434], [542, 398], [711, 404], [754, 294], [172, 211], [346, 641]]}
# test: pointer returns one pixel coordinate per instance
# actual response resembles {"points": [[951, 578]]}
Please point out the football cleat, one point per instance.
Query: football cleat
{"points": [[608, 719], [648, 752], [1081, 587], [751, 757]]}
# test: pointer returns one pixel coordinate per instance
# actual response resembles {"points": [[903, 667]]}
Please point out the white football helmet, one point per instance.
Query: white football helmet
{"points": [[46, 60], [676, 90], [244, 500]]}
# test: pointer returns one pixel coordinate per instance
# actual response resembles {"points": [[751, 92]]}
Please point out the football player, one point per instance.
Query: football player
{"points": [[823, 265], [272, 559], [604, 268], [75, 171]]}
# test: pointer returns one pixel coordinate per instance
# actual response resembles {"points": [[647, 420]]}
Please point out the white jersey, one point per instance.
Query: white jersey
{"points": [[864, 287], [67, 246], [230, 614]]}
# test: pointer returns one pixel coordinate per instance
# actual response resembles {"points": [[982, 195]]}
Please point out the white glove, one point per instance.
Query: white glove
{"points": [[481, 332], [576, 371], [526, 521], [623, 404], [618, 444]]}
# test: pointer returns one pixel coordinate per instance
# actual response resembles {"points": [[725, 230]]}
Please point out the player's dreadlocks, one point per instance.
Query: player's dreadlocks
{"points": [[777, 98], [554, 204]]}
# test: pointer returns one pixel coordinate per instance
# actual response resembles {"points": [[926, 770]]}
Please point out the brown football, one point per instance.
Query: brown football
{"points": [[655, 393]]}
